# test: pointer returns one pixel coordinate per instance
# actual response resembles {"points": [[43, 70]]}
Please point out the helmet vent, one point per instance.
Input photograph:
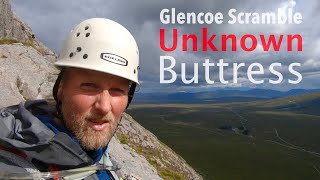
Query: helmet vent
{"points": [[78, 34], [71, 54], [78, 49], [85, 56], [86, 28], [88, 34], [134, 71]]}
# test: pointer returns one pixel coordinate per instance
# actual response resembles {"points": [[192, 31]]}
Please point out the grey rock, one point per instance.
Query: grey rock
{"points": [[164, 157], [132, 164], [11, 27], [24, 74], [6, 18]]}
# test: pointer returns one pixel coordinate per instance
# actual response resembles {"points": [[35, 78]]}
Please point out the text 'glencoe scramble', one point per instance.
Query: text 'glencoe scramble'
{"points": [[173, 39]]}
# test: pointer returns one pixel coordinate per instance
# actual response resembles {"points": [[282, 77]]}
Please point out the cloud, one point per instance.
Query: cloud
{"points": [[52, 20]]}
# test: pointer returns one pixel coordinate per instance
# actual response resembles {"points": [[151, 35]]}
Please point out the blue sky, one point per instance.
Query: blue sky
{"points": [[51, 20]]}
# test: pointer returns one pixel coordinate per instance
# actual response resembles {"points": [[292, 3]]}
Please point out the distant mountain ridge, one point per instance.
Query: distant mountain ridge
{"points": [[218, 96]]}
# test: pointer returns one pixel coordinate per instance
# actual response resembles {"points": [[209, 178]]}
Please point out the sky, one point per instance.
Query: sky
{"points": [[52, 20]]}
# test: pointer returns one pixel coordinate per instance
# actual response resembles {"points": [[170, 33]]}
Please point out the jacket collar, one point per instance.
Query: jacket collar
{"points": [[24, 131]]}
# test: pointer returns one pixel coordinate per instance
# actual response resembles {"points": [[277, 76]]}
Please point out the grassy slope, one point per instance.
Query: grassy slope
{"points": [[192, 131]]}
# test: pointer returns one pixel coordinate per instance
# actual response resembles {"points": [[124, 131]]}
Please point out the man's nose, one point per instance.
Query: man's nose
{"points": [[103, 102]]}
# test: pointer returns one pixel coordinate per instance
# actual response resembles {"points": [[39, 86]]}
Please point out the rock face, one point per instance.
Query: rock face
{"points": [[6, 18], [24, 74], [12, 28], [168, 164], [133, 165], [27, 72]]}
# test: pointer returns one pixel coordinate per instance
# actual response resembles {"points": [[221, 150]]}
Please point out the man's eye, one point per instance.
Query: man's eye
{"points": [[118, 91], [88, 86]]}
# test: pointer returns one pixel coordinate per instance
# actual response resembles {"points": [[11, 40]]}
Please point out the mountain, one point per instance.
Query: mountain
{"points": [[27, 72], [308, 103], [217, 96]]}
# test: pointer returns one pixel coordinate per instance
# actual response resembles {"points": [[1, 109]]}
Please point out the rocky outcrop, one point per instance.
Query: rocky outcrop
{"points": [[168, 164], [132, 165], [27, 72], [12, 29], [6, 18]]}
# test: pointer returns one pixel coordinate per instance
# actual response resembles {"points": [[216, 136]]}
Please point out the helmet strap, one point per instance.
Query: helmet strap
{"points": [[56, 85], [131, 92], [58, 113]]}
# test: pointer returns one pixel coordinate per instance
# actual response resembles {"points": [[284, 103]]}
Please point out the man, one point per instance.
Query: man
{"points": [[99, 72]]}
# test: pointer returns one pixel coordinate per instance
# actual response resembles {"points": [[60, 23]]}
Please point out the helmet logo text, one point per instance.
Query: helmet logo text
{"points": [[114, 59]]}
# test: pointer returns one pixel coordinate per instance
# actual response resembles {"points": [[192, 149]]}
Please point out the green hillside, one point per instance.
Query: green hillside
{"points": [[274, 139], [306, 103]]}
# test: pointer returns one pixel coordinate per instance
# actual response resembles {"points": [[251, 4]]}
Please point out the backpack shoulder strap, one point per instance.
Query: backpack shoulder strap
{"points": [[105, 160]]}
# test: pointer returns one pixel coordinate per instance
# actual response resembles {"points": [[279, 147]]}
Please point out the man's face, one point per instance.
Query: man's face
{"points": [[92, 103]]}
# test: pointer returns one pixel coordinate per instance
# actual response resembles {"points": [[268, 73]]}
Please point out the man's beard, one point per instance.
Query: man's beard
{"points": [[89, 138]]}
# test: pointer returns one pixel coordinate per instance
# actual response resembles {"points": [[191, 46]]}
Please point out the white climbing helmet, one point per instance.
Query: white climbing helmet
{"points": [[102, 45]]}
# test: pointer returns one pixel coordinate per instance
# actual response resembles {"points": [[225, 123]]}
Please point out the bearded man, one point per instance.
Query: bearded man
{"points": [[99, 65]]}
